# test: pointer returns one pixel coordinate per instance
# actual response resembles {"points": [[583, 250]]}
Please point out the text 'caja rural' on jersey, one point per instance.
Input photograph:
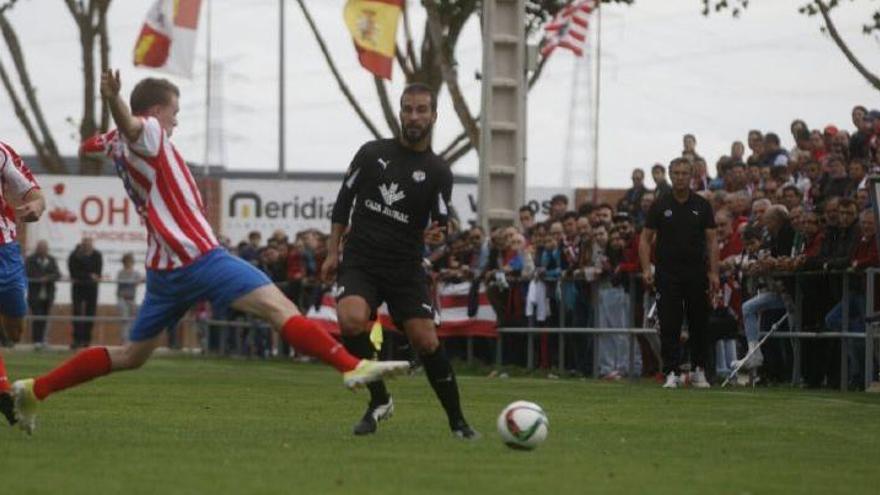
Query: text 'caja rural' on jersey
{"points": [[396, 193], [16, 181], [162, 188]]}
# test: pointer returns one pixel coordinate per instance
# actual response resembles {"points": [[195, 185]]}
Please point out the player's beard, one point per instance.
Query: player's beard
{"points": [[412, 134]]}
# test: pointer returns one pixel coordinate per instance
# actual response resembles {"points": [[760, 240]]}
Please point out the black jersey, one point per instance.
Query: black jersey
{"points": [[396, 193], [681, 231]]}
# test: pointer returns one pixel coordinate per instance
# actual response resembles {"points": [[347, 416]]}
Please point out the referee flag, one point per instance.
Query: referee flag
{"points": [[373, 27]]}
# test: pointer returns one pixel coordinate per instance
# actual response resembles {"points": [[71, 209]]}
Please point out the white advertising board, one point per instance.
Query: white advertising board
{"points": [[295, 205], [97, 207]]}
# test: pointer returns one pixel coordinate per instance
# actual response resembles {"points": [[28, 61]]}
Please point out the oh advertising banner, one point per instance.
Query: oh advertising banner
{"points": [[95, 207]]}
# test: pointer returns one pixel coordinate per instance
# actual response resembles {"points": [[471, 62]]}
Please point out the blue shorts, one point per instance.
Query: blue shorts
{"points": [[13, 281], [217, 276]]}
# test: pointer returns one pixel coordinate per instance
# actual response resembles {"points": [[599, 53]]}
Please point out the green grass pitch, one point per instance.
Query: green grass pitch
{"points": [[192, 425]]}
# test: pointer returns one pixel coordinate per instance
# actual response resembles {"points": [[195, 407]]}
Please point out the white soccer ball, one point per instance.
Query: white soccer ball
{"points": [[523, 425]]}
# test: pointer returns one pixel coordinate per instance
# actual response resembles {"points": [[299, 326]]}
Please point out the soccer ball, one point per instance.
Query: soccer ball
{"points": [[523, 425]]}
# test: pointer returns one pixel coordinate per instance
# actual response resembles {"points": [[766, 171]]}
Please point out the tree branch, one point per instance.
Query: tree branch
{"points": [[105, 59], [72, 8], [455, 142], [536, 74], [402, 62], [450, 75], [53, 165], [832, 30], [407, 32], [387, 110], [342, 86], [455, 155], [19, 62]]}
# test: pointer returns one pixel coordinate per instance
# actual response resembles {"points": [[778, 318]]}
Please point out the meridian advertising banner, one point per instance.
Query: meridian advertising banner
{"points": [[294, 205]]}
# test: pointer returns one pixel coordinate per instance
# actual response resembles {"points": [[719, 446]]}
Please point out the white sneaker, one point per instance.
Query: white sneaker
{"points": [[671, 380], [25, 403], [698, 379], [370, 371], [754, 361]]}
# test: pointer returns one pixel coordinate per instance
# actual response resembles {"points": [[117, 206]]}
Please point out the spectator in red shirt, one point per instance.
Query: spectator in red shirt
{"points": [[729, 239], [818, 149], [812, 234]]}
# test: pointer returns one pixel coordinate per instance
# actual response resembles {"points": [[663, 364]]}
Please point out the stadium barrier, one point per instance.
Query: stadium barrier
{"points": [[794, 307], [595, 332], [455, 297]]}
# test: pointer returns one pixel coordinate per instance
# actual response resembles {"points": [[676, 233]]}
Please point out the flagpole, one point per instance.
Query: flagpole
{"points": [[598, 101], [206, 170], [281, 122]]}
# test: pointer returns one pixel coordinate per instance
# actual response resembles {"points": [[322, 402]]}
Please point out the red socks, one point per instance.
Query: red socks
{"points": [[4, 381], [305, 336], [298, 331], [84, 366]]}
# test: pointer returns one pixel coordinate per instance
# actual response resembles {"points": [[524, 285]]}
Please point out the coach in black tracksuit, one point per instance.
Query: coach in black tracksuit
{"points": [[400, 191], [686, 253]]}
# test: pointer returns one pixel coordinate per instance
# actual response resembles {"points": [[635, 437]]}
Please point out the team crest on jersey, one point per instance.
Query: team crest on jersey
{"points": [[419, 176], [390, 194]]}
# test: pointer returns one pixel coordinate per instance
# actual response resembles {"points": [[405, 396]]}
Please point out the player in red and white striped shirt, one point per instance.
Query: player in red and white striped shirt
{"points": [[20, 199], [184, 263]]}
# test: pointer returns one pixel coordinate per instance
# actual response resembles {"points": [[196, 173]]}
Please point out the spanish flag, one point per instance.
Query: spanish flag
{"points": [[168, 37], [373, 26]]}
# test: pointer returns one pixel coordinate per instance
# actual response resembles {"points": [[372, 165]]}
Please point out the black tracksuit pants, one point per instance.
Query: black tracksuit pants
{"points": [[683, 292]]}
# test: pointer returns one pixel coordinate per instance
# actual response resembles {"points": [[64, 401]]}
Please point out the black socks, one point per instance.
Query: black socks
{"points": [[442, 380]]}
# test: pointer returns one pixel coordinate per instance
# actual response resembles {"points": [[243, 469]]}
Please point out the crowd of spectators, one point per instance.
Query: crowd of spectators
{"points": [[779, 210]]}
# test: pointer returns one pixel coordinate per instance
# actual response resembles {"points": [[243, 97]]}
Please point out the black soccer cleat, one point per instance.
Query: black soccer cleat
{"points": [[370, 421], [460, 429], [7, 408]]}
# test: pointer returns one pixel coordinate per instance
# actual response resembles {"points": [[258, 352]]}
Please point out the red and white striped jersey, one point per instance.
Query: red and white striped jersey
{"points": [[16, 181], [163, 190]]}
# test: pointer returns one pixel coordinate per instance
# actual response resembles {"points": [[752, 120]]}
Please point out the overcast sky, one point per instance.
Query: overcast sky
{"points": [[666, 70]]}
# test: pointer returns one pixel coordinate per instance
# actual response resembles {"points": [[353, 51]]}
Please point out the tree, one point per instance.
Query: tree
{"points": [[432, 61], [91, 20], [35, 125], [821, 8]]}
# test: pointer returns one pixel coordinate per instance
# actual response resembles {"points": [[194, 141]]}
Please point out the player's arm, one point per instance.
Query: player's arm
{"points": [[23, 192], [130, 126], [339, 217], [712, 248], [646, 243], [31, 206], [439, 225], [331, 263]]}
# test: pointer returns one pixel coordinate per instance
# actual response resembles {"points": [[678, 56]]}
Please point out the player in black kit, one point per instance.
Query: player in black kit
{"points": [[399, 189]]}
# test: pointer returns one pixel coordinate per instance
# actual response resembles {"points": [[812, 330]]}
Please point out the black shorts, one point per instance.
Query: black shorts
{"points": [[404, 289]]}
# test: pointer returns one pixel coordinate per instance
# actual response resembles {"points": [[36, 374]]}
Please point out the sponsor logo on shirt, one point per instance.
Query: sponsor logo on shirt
{"points": [[390, 194], [387, 211]]}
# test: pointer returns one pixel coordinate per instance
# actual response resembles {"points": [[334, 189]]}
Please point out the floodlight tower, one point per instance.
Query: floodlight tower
{"points": [[503, 116]]}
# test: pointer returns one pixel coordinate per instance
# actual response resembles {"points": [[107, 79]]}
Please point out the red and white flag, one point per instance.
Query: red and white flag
{"points": [[569, 28], [168, 38], [453, 308]]}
